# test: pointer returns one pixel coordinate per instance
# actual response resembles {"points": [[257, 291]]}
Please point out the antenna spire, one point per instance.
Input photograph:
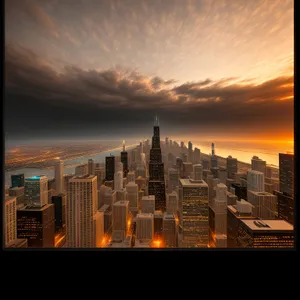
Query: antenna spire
{"points": [[156, 121], [123, 146]]}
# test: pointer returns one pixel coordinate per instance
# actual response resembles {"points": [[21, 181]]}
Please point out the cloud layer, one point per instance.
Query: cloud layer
{"points": [[123, 100]]}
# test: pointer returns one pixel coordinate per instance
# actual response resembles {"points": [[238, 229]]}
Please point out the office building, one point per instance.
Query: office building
{"points": [[101, 195], [59, 202], [190, 152], [194, 213], [187, 169], [231, 198], [232, 167], [82, 202], [131, 176], [240, 191], [255, 181], [265, 234], [235, 213], [37, 225], [140, 171], [59, 176], [17, 180], [91, 167], [285, 207], [36, 191], [118, 180], [81, 170], [156, 185], [286, 174], [169, 231], [197, 156], [179, 166], [107, 211], [206, 174], [158, 224], [109, 168], [100, 173], [258, 164], [197, 172], [132, 196], [172, 203], [222, 174], [214, 172], [144, 227], [17, 192], [99, 228], [148, 204], [173, 179], [10, 222], [184, 157], [120, 219], [110, 197], [17, 243], [141, 182], [212, 184], [264, 204], [205, 164]]}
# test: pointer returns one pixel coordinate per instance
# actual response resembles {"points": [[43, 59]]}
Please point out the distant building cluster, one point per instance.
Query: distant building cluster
{"points": [[157, 195]]}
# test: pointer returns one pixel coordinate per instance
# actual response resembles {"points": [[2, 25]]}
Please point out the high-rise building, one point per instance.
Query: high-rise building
{"points": [[81, 170], [141, 182], [36, 190], [190, 152], [101, 195], [17, 243], [265, 234], [222, 174], [37, 225], [118, 180], [156, 185], [17, 192], [59, 176], [205, 164], [148, 204], [169, 231], [212, 184], [132, 196], [120, 220], [258, 164], [179, 166], [173, 179], [187, 169], [232, 167], [99, 228], [240, 191], [59, 202], [109, 168], [100, 173], [194, 213], [17, 180], [158, 224], [172, 203], [144, 226], [197, 172], [91, 167], [107, 211], [231, 198], [197, 156], [286, 174], [131, 176], [285, 207], [264, 204], [82, 200], [255, 181], [110, 197], [10, 222]]}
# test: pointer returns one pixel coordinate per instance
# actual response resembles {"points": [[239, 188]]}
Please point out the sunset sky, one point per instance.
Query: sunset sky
{"points": [[104, 68]]}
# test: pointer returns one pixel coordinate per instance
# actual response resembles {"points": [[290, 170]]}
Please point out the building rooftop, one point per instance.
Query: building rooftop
{"points": [[121, 203], [87, 176], [9, 198], [193, 183], [36, 177], [104, 207], [35, 208], [16, 188], [168, 216], [261, 193], [149, 197], [268, 225], [241, 215], [144, 215], [255, 172]]}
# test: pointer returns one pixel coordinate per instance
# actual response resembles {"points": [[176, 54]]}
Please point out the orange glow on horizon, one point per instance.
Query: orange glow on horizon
{"points": [[157, 244], [287, 98]]}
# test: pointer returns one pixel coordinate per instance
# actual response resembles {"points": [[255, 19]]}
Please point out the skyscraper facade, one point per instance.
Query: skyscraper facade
{"points": [[286, 174], [10, 222], [82, 202], [17, 180], [109, 168], [91, 167], [232, 167], [124, 160], [36, 191], [59, 176], [156, 184]]}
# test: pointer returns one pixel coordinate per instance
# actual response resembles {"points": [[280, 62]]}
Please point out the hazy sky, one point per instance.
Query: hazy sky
{"points": [[101, 67]]}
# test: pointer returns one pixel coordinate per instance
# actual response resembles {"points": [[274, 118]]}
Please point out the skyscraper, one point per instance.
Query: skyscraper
{"points": [[37, 224], [172, 203], [232, 167], [213, 158], [109, 168], [10, 222], [124, 160], [100, 173], [194, 213], [132, 196], [286, 174], [173, 179], [144, 227], [156, 171], [91, 167], [255, 181], [258, 164], [82, 202], [197, 172], [148, 204], [17, 180], [59, 176], [190, 152], [118, 180], [169, 231], [120, 218], [36, 190], [197, 156], [59, 202]]}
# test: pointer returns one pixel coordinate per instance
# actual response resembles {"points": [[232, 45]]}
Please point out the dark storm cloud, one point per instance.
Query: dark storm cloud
{"points": [[76, 99]]}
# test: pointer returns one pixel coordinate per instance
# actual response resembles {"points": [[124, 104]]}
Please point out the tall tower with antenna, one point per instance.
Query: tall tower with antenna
{"points": [[124, 160], [156, 184]]}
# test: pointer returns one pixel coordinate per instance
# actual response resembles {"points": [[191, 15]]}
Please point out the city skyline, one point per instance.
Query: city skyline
{"points": [[207, 67]]}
